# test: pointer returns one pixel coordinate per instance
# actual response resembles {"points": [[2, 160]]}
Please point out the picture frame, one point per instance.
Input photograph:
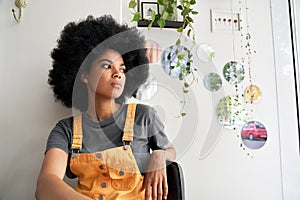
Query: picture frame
{"points": [[147, 8], [224, 20], [174, 23]]}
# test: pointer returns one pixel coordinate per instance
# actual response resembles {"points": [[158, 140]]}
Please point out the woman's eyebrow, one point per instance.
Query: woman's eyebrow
{"points": [[105, 60]]}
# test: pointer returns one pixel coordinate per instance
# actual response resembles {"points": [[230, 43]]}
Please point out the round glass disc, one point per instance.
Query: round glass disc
{"points": [[176, 61], [234, 72], [147, 90], [205, 52], [212, 82], [252, 93], [254, 134], [232, 112]]}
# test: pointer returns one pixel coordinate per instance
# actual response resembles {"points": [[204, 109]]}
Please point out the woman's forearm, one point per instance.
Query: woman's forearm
{"points": [[52, 187], [170, 153]]}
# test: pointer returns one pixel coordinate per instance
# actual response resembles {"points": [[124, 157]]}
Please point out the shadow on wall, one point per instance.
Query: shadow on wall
{"points": [[21, 162], [25, 172]]}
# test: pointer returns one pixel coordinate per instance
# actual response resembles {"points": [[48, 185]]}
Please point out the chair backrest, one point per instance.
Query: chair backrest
{"points": [[175, 178]]}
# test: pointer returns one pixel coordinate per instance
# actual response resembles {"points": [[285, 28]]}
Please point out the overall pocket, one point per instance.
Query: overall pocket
{"points": [[123, 180]]}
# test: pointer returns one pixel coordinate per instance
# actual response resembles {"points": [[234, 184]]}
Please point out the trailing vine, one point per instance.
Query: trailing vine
{"points": [[170, 8]]}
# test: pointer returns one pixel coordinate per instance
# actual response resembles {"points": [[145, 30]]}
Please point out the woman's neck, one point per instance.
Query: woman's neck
{"points": [[101, 110]]}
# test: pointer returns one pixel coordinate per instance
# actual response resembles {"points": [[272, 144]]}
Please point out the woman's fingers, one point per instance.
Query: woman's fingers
{"points": [[165, 185]]}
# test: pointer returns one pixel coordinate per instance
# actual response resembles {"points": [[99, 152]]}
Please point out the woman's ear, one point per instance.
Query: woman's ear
{"points": [[84, 78]]}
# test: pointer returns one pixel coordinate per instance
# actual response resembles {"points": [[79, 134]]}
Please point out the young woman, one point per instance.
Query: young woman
{"points": [[97, 65]]}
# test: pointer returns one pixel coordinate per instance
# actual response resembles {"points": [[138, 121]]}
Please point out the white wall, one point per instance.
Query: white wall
{"points": [[224, 170], [28, 110]]}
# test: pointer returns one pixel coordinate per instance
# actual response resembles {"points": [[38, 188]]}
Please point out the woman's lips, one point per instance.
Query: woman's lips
{"points": [[116, 85]]}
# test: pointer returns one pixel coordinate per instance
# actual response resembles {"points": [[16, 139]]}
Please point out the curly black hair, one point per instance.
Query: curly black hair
{"points": [[80, 43]]}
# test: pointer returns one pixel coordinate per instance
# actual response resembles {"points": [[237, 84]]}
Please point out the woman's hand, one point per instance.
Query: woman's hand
{"points": [[155, 179]]}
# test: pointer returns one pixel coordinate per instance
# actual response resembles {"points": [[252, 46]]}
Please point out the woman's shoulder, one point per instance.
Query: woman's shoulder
{"points": [[64, 124], [146, 112], [143, 107]]}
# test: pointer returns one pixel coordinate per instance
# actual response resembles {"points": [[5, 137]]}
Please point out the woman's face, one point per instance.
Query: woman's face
{"points": [[106, 78]]}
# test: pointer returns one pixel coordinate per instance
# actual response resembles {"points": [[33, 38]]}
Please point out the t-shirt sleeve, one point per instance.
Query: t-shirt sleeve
{"points": [[60, 136], [157, 137]]}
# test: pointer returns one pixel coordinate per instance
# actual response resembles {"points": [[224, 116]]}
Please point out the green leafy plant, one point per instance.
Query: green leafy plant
{"points": [[171, 8]]}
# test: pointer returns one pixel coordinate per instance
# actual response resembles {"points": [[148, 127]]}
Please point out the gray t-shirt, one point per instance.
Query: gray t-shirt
{"points": [[98, 136]]}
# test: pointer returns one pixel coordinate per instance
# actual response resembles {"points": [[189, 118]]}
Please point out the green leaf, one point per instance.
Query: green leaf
{"points": [[186, 84], [150, 25], [170, 9], [153, 16], [180, 29], [165, 15], [189, 32], [169, 56], [160, 2], [161, 23], [190, 20], [248, 36], [185, 91], [157, 16], [192, 2], [136, 17], [183, 114], [180, 7], [195, 12], [186, 11], [180, 56], [132, 4], [178, 42]]}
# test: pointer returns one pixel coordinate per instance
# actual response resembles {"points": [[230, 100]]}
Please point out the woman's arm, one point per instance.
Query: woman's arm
{"points": [[50, 184], [170, 152], [155, 179]]}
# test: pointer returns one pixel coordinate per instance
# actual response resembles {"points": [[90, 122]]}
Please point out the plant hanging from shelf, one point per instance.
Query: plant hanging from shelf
{"points": [[170, 8]]}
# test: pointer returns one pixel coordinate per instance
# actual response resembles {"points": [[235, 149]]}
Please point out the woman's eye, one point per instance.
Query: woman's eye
{"points": [[122, 70], [106, 66]]}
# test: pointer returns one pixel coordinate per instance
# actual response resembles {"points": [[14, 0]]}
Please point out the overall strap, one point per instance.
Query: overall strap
{"points": [[77, 132], [128, 127]]}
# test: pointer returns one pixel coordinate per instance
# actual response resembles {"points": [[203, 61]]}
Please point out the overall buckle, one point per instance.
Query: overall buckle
{"points": [[74, 152], [126, 144]]}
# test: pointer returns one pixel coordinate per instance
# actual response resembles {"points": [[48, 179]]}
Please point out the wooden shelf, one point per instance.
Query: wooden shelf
{"points": [[169, 24]]}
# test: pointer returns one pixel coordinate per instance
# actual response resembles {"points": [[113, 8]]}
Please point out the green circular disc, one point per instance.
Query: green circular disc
{"points": [[234, 72], [232, 112]]}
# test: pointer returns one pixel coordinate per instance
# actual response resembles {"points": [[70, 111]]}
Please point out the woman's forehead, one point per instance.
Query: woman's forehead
{"points": [[110, 54]]}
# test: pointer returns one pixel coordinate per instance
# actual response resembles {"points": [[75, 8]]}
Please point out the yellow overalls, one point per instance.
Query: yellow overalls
{"points": [[111, 174]]}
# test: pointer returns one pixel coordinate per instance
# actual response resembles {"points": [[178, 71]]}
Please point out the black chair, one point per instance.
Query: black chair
{"points": [[175, 181]]}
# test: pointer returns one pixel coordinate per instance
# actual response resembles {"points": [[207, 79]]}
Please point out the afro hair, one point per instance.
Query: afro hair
{"points": [[80, 43]]}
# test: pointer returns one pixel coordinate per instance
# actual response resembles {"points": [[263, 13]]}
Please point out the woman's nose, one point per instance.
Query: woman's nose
{"points": [[116, 75], [116, 72]]}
